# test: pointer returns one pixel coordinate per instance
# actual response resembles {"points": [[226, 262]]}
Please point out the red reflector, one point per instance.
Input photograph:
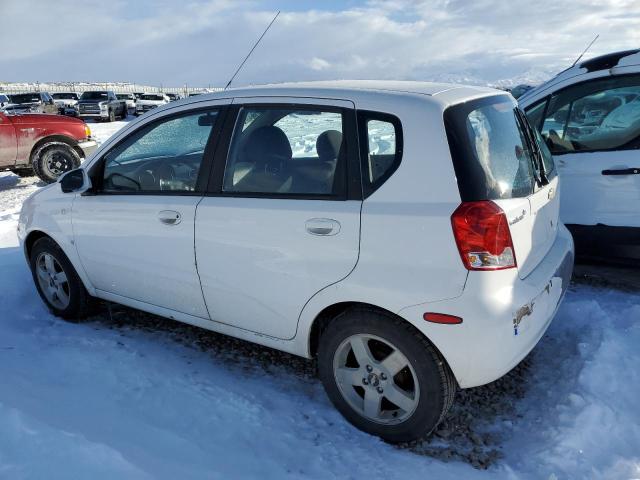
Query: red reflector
{"points": [[442, 318]]}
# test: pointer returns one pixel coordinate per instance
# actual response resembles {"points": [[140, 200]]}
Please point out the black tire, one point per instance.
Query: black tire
{"points": [[112, 116], [80, 302], [52, 159], [124, 113], [437, 385], [24, 172]]}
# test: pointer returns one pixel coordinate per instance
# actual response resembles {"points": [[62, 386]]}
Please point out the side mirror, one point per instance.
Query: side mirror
{"points": [[75, 181]]}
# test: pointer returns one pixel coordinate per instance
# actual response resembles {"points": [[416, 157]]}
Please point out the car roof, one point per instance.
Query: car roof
{"points": [[446, 93], [607, 62]]}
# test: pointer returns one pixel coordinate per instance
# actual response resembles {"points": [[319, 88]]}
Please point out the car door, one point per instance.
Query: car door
{"points": [[282, 220], [134, 231], [593, 131], [8, 142]]}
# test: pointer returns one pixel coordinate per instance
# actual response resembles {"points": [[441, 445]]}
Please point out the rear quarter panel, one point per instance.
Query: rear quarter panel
{"points": [[408, 254]]}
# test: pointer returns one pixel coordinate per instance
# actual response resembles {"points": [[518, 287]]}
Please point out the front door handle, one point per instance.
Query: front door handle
{"points": [[622, 171], [169, 217], [322, 226]]}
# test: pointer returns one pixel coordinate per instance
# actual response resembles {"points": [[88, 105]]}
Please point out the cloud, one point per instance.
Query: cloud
{"points": [[201, 42]]}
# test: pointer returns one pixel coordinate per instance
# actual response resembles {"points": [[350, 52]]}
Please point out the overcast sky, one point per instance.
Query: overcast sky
{"points": [[200, 42]]}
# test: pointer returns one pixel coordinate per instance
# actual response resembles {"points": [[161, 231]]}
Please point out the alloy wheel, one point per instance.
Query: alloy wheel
{"points": [[376, 379], [53, 281]]}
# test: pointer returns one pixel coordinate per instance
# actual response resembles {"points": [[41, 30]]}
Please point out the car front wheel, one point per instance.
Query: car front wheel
{"points": [[384, 376], [57, 281]]}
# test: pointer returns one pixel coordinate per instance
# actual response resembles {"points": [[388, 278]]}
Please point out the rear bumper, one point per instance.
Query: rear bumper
{"points": [[88, 147], [504, 316]]}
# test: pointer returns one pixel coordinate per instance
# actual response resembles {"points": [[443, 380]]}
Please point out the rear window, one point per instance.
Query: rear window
{"points": [[490, 152]]}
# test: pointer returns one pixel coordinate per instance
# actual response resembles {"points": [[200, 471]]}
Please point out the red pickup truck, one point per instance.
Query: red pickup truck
{"points": [[48, 145]]}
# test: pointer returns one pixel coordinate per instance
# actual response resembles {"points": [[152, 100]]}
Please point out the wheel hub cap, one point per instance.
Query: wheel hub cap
{"points": [[52, 280], [376, 379]]}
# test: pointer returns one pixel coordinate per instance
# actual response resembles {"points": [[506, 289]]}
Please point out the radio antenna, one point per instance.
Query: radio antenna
{"points": [[585, 50], [252, 49]]}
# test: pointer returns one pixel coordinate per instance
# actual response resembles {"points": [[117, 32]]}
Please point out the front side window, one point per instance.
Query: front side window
{"points": [[599, 115], [288, 151], [491, 154], [163, 157]]}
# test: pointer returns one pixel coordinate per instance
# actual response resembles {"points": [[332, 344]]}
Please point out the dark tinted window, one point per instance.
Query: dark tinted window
{"points": [[164, 156], [296, 151], [25, 98], [490, 151], [94, 96], [151, 96], [65, 96]]}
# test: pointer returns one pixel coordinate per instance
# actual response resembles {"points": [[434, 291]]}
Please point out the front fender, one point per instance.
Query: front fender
{"points": [[48, 212]]}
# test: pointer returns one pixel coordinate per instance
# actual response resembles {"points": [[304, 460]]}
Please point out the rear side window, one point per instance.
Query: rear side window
{"points": [[381, 144], [491, 155], [290, 151]]}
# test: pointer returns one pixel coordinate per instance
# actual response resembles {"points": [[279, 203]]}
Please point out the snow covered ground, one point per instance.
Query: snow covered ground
{"points": [[129, 395]]}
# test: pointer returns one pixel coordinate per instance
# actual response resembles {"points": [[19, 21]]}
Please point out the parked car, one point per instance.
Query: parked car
{"points": [[149, 101], [34, 102], [67, 102], [440, 265], [130, 98], [589, 116], [4, 100], [47, 145], [173, 96], [101, 105]]}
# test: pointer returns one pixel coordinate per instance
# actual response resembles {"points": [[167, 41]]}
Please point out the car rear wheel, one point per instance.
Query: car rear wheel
{"points": [[57, 281], [53, 159], [384, 376]]}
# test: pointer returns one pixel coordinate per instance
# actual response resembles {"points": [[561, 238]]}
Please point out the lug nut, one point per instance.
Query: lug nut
{"points": [[369, 368], [380, 390], [365, 381]]}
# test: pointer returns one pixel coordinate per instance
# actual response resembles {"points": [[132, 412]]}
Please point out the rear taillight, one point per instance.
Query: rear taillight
{"points": [[482, 234]]}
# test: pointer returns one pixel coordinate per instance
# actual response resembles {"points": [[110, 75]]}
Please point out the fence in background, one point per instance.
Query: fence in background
{"points": [[9, 88]]}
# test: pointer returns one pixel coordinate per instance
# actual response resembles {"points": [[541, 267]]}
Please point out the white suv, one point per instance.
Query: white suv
{"points": [[589, 116], [405, 234]]}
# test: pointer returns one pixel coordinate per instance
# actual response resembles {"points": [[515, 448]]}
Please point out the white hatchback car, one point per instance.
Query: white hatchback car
{"points": [[405, 234], [589, 116]]}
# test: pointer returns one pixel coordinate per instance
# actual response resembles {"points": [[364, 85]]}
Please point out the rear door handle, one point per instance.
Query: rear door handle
{"points": [[622, 171], [169, 217], [322, 226]]}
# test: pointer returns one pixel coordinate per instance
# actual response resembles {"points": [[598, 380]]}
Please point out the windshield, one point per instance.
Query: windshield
{"points": [[65, 96], [490, 149], [25, 98], [94, 96], [151, 97]]}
